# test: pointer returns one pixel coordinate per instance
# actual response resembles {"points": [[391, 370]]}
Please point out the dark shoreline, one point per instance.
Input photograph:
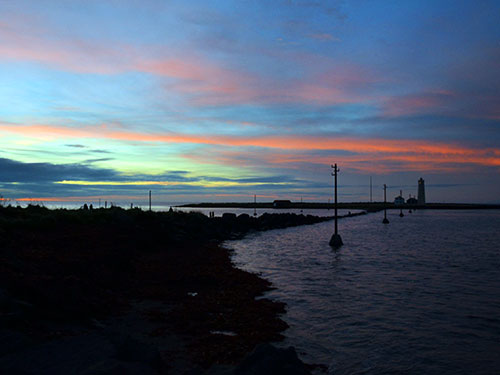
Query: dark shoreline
{"points": [[367, 206], [131, 281]]}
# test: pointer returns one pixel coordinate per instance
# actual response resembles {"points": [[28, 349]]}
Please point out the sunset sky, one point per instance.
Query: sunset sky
{"points": [[221, 100]]}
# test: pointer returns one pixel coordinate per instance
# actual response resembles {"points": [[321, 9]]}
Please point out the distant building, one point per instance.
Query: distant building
{"points": [[399, 200], [421, 191], [411, 200], [284, 203]]}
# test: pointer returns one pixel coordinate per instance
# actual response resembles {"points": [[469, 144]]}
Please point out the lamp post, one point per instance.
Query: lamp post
{"points": [[385, 221], [336, 240]]}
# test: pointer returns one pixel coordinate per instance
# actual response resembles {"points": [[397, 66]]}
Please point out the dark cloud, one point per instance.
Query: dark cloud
{"points": [[90, 161], [76, 146], [15, 171]]}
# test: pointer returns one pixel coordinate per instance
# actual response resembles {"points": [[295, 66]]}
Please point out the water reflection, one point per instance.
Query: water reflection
{"points": [[419, 295]]}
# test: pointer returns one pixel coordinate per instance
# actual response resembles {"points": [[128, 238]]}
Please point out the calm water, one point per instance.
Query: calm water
{"points": [[260, 211], [420, 295], [217, 211]]}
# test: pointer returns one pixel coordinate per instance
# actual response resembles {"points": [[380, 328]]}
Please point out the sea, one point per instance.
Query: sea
{"points": [[420, 295]]}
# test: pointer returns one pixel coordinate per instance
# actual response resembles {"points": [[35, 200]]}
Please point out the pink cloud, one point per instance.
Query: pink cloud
{"points": [[198, 80], [410, 153], [421, 103], [325, 37]]}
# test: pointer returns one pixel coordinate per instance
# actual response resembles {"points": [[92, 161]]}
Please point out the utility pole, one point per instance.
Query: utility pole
{"points": [[385, 221], [255, 205], [336, 240], [401, 209], [150, 200]]}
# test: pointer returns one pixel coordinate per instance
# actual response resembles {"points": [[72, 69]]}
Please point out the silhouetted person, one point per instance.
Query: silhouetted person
{"points": [[91, 207], [85, 207]]}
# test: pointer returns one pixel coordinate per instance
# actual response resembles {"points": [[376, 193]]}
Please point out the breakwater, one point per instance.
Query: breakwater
{"points": [[151, 290]]}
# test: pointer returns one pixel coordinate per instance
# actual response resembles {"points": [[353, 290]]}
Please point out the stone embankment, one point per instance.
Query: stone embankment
{"points": [[126, 291]]}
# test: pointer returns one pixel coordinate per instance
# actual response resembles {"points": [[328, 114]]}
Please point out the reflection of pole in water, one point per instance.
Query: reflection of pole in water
{"points": [[336, 240], [402, 200]]}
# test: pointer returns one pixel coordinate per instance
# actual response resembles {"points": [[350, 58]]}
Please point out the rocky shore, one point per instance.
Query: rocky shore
{"points": [[113, 291]]}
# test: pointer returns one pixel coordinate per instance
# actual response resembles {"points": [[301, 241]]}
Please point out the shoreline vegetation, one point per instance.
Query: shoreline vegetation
{"points": [[366, 206], [115, 291]]}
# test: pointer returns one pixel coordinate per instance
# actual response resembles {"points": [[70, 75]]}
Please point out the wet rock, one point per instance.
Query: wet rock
{"points": [[228, 216], [129, 349], [267, 359], [12, 341]]}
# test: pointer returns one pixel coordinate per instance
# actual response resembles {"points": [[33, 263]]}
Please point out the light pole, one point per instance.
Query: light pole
{"points": [[336, 240], [385, 221]]}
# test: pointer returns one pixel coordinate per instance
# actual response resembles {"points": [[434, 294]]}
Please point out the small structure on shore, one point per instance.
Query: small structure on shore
{"points": [[411, 200], [399, 200], [282, 203]]}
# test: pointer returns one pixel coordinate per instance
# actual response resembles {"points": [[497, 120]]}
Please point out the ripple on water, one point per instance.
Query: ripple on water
{"points": [[420, 295]]}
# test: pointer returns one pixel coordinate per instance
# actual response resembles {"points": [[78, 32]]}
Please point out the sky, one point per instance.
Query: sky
{"points": [[202, 101]]}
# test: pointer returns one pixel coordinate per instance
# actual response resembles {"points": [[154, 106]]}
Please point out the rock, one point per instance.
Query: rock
{"points": [[267, 359], [129, 349], [228, 216], [4, 298]]}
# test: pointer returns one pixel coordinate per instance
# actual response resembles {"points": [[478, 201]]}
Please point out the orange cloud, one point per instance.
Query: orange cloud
{"points": [[413, 152], [82, 198]]}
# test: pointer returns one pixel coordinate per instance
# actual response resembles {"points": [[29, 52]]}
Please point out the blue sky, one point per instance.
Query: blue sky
{"points": [[221, 100]]}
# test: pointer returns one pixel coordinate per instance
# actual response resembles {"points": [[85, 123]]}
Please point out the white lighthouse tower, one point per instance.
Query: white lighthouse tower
{"points": [[421, 191]]}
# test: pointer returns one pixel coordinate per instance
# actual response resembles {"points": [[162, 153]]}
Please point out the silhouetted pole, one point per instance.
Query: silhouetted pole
{"points": [[150, 200], [401, 208], [336, 240], [385, 221], [254, 205]]}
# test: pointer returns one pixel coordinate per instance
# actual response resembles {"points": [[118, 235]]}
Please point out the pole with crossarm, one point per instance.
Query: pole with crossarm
{"points": [[336, 240], [385, 221]]}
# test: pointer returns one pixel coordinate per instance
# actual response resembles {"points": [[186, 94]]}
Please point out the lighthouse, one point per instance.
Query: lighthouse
{"points": [[421, 192]]}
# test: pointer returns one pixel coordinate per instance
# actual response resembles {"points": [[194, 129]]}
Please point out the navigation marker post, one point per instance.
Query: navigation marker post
{"points": [[336, 240], [385, 221]]}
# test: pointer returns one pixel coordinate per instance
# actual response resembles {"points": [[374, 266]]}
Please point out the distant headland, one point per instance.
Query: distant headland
{"points": [[367, 206]]}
